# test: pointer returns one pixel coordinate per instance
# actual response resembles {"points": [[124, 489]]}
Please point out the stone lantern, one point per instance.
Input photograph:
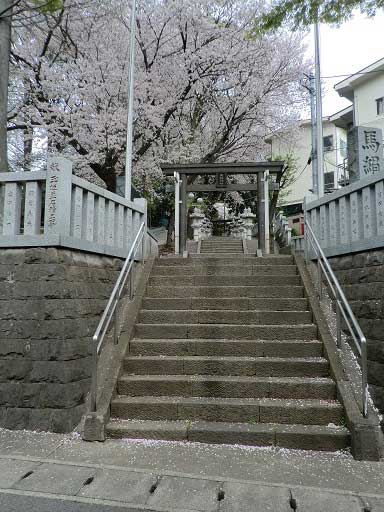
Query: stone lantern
{"points": [[197, 223], [248, 219]]}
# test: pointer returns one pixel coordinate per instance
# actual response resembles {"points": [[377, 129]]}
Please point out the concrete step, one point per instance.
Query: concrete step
{"points": [[227, 365], [224, 317], [249, 410], [217, 252], [197, 347], [202, 280], [164, 291], [245, 259], [226, 386], [222, 247], [305, 437], [226, 270], [227, 331], [234, 304], [268, 260], [224, 243]]}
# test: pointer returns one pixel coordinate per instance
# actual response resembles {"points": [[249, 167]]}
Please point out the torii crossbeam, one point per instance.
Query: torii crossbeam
{"points": [[221, 171]]}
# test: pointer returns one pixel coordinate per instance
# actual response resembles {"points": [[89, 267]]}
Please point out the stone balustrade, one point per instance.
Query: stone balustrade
{"points": [[350, 219], [56, 208], [282, 230]]}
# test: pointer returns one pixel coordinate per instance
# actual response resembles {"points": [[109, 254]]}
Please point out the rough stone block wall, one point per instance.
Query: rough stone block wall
{"points": [[50, 303], [362, 278]]}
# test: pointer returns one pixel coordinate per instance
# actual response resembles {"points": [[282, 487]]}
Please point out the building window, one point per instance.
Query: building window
{"points": [[328, 143], [329, 181], [380, 106]]}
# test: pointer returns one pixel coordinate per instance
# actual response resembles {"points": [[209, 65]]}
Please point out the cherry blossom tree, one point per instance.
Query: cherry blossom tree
{"points": [[206, 89]]}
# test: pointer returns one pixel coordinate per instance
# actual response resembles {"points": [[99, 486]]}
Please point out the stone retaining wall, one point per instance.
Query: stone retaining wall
{"points": [[50, 303], [362, 278]]}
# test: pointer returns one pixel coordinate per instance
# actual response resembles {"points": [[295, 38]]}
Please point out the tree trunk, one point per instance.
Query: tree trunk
{"points": [[5, 50]]}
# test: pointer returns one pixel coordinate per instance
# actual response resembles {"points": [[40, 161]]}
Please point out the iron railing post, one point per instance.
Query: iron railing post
{"points": [[319, 278], [112, 310], [364, 372], [131, 282], [143, 249], [116, 321], [94, 375], [338, 320]]}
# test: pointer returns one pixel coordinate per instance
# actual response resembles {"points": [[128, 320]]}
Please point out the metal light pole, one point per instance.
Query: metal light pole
{"points": [[131, 75], [309, 84], [319, 116]]}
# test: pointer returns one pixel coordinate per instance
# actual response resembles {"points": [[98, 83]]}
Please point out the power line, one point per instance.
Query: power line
{"points": [[353, 74], [297, 177]]}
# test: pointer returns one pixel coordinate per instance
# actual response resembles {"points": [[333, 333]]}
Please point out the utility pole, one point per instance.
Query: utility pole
{"points": [[319, 116], [309, 84], [131, 76], [5, 50]]}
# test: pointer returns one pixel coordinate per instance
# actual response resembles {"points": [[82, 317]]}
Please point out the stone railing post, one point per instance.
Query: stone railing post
{"points": [[58, 197], [138, 219]]}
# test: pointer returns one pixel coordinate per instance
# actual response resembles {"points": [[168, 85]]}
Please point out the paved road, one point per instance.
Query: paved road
{"points": [[53, 473]]}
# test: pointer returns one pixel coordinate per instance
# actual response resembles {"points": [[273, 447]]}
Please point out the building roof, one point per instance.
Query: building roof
{"points": [[346, 87], [343, 118]]}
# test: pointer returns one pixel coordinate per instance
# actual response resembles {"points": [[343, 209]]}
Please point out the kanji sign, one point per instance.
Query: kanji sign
{"points": [[365, 152]]}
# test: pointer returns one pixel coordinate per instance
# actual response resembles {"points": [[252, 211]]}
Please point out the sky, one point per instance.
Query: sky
{"points": [[345, 50]]}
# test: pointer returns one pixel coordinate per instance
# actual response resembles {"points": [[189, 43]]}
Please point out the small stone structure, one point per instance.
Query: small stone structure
{"points": [[241, 227], [248, 221], [362, 278], [201, 225]]}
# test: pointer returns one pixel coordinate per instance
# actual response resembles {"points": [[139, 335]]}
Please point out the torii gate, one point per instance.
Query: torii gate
{"points": [[181, 172]]}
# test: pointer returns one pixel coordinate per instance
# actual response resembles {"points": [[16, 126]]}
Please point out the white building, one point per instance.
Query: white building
{"points": [[365, 89], [300, 147]]}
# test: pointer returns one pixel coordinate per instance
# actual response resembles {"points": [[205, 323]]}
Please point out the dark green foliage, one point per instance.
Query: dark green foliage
{"points": [[301, 13]]}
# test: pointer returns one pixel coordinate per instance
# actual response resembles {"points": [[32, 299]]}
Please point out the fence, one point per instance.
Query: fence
{"points": [[282, 230], [350, 219], [56, 208]]}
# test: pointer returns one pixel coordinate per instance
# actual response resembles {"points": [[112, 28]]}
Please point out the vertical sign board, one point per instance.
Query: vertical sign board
{"points": [[344, 220], [379, 195], [58, 195], [32, 209], [221, 180], [365, 152]]}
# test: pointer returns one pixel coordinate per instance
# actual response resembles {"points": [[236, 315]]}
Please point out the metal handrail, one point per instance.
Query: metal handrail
{"points": [[112, 309], [342, 308]]}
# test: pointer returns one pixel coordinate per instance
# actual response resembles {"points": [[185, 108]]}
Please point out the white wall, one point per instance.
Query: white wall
{"points": [[365, 95], [300, 146]]}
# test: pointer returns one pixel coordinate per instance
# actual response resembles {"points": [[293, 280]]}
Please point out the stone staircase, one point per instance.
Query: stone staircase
{"points": [[221, 245], [225, 351]]}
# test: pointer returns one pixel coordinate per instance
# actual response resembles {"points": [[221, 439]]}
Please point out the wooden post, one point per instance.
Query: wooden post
{"points": [[261, 211], [183, 214], [177, 212], [266, 212]]}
